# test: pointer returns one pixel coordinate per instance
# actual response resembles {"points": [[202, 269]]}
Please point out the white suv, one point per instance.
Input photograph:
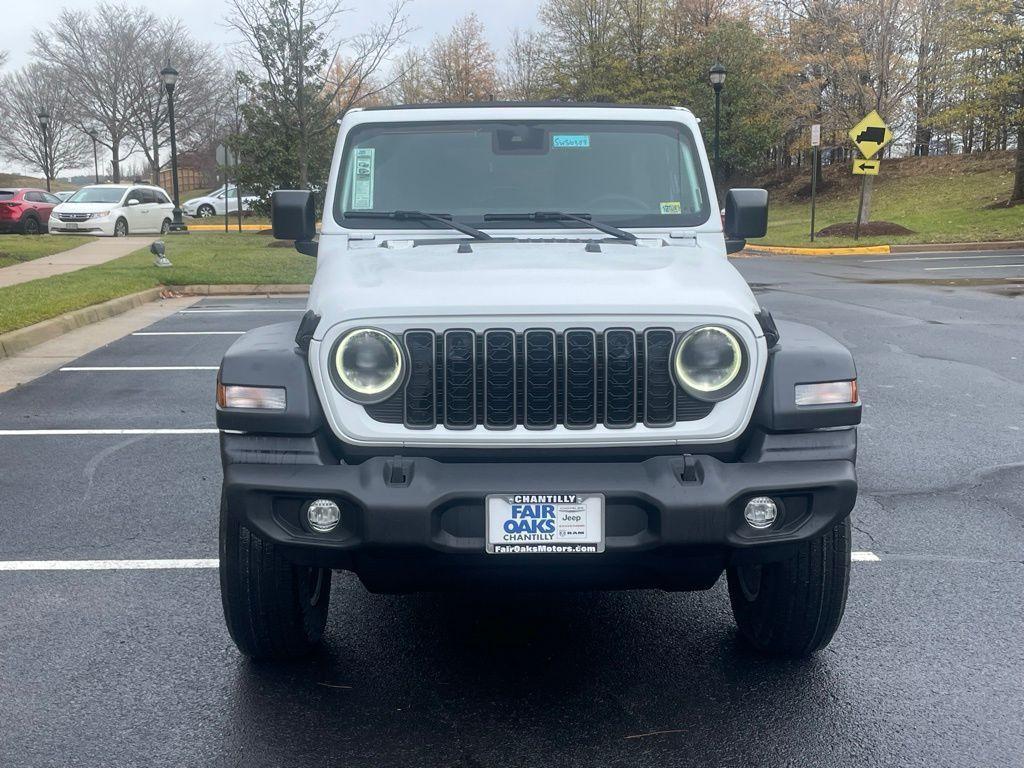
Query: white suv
{"points": [[213, 203], [114, 210]]}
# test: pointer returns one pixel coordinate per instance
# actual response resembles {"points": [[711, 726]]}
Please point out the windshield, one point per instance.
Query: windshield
{"points": [[630, 174], [98, 195]]}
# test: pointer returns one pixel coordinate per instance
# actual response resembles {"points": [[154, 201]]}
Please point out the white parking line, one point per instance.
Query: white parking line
{"points": [[233, 311], [194, 563], [188, 333], [945, 258], [864, 557], [105, 565], [74, 432], [979, 266], [109, 368]]}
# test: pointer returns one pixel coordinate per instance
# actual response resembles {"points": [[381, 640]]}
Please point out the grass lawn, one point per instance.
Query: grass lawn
{"points": [[198, 259], [15, 249], [942, 199]]}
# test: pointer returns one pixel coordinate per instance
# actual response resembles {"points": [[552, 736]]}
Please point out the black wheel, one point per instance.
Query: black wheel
{"points": [[121, 228], [274, 609], [165, 227], [794, 607], [205, 211], [30, 225]]}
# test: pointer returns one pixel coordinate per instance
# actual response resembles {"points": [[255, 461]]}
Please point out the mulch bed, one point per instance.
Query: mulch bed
{"points": [[867, 230]]}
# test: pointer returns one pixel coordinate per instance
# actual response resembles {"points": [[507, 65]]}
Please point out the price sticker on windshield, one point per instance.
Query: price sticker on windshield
{"points": [[570, 141], [362, 179]]}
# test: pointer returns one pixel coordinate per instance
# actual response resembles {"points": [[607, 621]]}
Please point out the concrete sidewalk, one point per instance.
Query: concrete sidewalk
{"points": [[88, 255]]}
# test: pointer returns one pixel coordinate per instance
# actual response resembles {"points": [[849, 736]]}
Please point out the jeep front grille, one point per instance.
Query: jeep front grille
{"points": [[500, 379]]}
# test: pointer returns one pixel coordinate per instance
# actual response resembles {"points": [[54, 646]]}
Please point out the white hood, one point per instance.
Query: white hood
{"points": [[544, 279]]}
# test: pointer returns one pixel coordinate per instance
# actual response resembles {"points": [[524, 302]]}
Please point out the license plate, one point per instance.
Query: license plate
{"points": [[545, 523], [70, 225]]}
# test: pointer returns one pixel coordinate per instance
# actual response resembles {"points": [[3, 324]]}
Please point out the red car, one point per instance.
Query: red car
{"points": [[26, 210]]}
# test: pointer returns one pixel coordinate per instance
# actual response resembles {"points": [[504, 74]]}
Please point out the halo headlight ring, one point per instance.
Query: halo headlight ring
{"points": [[388, 382], [733, 378]]}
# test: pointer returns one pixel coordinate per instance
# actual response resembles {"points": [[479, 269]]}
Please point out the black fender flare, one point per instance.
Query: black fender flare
{"points": [[804, 355], [269, 357]]}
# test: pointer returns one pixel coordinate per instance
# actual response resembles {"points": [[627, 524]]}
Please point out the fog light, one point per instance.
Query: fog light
{"points": [[323, 515], [760, 512]]}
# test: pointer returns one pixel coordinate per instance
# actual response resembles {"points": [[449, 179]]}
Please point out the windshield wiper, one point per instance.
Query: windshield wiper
{"points": [[583, 218], [444, 218]]}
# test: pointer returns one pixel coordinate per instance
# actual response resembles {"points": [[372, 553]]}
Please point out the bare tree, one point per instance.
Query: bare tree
{"points": [[523, 74], [3, 58], [197, 94], [23, 95], [461, 64], [289, 46], [98, 56], [581, 35], [410, 81]]}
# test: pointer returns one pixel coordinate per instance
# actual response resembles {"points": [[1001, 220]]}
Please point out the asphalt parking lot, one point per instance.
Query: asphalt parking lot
{"points": [[124, 661]]}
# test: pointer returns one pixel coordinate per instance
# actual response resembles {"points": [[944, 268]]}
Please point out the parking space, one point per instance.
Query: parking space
{"points": [[125, 663]]}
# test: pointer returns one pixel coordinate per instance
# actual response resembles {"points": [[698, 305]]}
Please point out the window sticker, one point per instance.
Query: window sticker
{"points": [[574, 141], [672, 206], [362, 181]]}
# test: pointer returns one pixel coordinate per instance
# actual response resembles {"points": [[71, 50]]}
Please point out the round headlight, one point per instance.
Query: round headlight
{"points": [[367, 365], [708, 362]]}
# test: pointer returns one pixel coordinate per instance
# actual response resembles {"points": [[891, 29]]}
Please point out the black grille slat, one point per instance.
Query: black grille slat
{"points": [[580, 379], [420, 390], [620, 378], [460, 379], [659, 387], [500, 379], [540, 379]]}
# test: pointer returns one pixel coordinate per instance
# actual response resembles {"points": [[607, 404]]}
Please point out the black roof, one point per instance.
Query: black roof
{"points": [[486, 104]]}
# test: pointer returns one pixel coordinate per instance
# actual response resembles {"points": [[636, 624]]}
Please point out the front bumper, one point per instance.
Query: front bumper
{"points": [[413, 523]]}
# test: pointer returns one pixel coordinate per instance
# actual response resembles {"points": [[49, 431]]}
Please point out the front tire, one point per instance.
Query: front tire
{"points": [[165, 227], [793, 608], [121, 228], [273, 608]]}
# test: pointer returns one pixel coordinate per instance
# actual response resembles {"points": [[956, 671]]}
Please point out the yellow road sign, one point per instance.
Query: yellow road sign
{"points": [[864, 167], [870, 134]]}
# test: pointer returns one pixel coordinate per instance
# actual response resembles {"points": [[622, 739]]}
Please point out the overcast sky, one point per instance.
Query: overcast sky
{"points": [[205, 17], [206, 20]]}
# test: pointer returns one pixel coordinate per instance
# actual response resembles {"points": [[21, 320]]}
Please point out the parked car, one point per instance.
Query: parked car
{"points": [[527, 363], [115, 210], [64, 195], [26, 210], [213, 203]]}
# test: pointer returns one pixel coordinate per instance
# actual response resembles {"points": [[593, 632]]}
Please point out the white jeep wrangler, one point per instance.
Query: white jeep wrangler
{"points": [[528, 363]]}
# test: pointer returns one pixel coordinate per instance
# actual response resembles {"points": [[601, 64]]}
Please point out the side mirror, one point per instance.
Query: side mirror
{"points": [[293, 217], [133, 201], [746, 216]]}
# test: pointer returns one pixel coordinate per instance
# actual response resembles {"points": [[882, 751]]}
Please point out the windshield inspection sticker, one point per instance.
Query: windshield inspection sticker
{"points": [[362, 179], [570, 141], [671, 207]]}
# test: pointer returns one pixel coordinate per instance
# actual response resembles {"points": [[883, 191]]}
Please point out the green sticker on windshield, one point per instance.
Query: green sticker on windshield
{"points": [[672, 206], [362, 179], [570, 140]]}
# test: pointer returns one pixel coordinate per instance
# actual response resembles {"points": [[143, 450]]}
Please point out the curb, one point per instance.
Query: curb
{"points": [[779, 250], [13, 342], [999, 245], [232, 228], [242, 289]]}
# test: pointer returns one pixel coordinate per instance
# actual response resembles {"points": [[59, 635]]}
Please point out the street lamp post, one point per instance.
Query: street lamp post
{"points": [[717, 77], [170, 76], [94, 134], [44, 124]]}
